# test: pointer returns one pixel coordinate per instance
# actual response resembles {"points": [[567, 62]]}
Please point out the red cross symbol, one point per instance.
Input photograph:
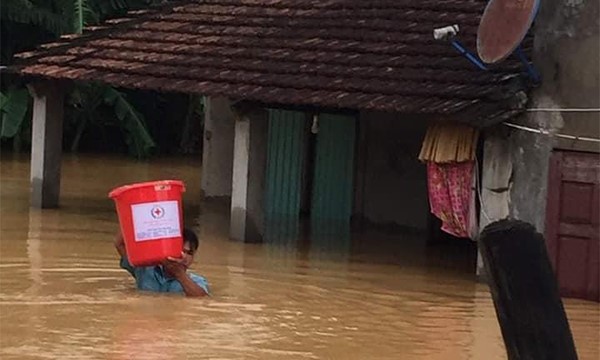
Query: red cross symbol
{"points": [[157, 212]]}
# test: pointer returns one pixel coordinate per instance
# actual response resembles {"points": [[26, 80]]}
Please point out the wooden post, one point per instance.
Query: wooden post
{"points": [[46, 144], [526, 297]]}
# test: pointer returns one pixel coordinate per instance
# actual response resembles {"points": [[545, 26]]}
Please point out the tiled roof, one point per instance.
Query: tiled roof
{"points": [[357, 54]]}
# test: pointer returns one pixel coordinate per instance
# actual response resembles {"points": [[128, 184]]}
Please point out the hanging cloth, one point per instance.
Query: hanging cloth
{"points": [[449, 151], [449, 142], [450, 195]]}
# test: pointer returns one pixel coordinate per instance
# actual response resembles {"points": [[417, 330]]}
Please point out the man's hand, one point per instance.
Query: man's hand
{"points": [[174, 267], [177, 269]]}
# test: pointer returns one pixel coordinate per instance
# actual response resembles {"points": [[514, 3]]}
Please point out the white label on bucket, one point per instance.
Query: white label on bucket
{"points": [[156, 220]]}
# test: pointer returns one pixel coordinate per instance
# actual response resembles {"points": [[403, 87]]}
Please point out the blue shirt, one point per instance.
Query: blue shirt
{"points": [[153, 278]]}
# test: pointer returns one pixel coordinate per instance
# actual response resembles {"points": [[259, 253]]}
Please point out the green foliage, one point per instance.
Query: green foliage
{"points": [[139, 140], [26, 23], [13, 106], [108, 8], [83, 111], [83, 15], [100, 106], [65, 16], [3, 100], [40, 14]]}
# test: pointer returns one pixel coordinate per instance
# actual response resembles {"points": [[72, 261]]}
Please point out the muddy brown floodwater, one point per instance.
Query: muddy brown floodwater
{"points": [[62, 295]]}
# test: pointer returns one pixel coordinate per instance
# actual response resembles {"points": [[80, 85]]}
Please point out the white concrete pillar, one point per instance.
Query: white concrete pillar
{"points": [[46, 144], [217, 153], [249, 173], [239, 191]]}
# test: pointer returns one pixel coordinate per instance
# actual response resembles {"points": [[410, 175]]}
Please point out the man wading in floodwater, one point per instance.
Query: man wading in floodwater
{"points": [[171, 275]]}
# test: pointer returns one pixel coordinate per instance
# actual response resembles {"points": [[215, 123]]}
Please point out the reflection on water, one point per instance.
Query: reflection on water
{"points": [[62, 295]]}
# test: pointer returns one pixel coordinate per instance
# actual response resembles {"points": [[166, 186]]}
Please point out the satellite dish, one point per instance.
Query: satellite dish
{"points": [[503, 26]]}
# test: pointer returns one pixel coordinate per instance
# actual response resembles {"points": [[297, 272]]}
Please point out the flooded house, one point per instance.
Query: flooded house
{"points": [[350, 114]]}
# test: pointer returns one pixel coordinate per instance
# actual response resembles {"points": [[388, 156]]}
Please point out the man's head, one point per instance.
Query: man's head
{"points": [[190, 246]]}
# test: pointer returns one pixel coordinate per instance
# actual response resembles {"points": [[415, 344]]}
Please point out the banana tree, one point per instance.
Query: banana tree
{"points": [[64, 16], [43, 15], [87, 106], [14, 107], [89, 97]]}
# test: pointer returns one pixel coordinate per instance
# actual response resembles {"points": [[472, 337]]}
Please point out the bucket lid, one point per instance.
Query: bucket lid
{"points": [[121, 189]]}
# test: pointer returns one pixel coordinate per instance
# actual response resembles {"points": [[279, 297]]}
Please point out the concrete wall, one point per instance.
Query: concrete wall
{"points": [[567, 51], [217, 153], [392, 182], [530, 155], [567, 55]]}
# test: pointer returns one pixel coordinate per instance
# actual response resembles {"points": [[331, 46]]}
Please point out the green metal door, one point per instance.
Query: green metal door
{"points": [[334, 170], [284, 164]]}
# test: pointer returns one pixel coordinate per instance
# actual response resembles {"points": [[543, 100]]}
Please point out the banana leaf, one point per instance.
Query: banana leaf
{"points": [[139, 139], [3, 100], [27, 12], [14, 107], [84, 15]]}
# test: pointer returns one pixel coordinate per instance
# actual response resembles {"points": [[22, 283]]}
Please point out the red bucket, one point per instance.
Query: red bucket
{"points": [[151, 220]]}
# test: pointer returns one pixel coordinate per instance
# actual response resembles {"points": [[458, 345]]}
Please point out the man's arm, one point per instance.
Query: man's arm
{"points": [[190, 288], [124, 263]]}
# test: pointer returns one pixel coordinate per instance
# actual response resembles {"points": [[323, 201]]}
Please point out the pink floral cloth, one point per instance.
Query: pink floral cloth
{"points": [[450, 194]]}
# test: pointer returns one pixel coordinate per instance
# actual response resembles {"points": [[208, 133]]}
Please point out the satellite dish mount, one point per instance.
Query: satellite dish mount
{"points": [[502, 28]]}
